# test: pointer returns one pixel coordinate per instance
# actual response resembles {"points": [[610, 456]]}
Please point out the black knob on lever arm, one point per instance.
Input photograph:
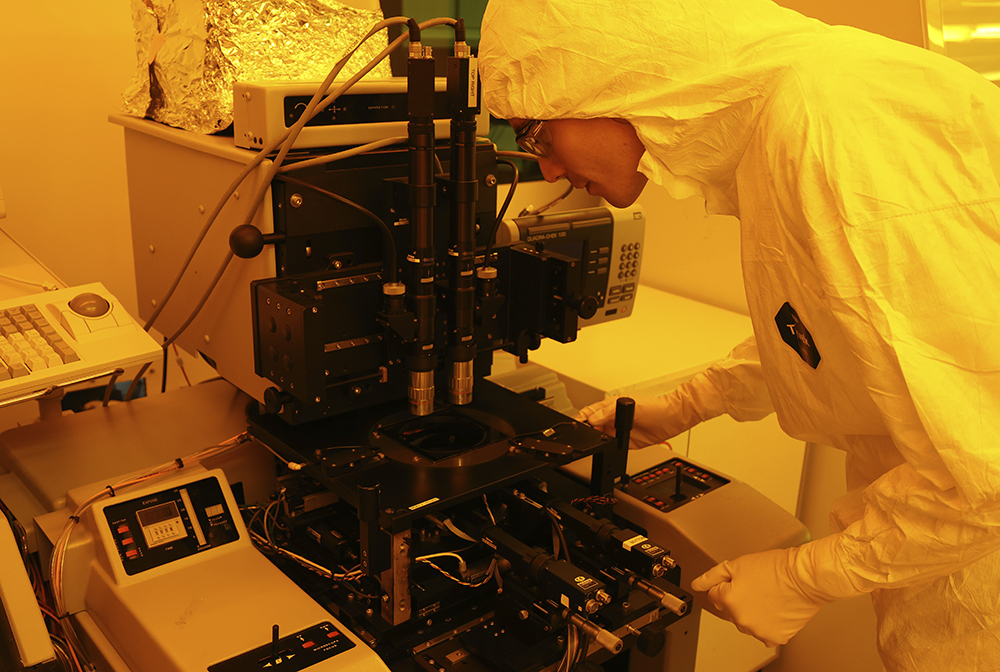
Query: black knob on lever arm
{"points": [[246, 241], [624, 419], [609, 465]]}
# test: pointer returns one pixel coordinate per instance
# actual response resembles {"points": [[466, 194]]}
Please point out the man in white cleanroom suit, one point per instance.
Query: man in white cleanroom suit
{"points": [[864, 173]]}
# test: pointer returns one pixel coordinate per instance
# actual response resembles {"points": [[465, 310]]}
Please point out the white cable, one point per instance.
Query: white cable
{"points": [[462, 567], [294, 466], [489, 510], [346, 154], [490, 573], [47, 286], [457, 532]]}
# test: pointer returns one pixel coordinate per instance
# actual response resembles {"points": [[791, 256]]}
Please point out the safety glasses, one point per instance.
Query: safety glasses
{"points": [[535, 138]]}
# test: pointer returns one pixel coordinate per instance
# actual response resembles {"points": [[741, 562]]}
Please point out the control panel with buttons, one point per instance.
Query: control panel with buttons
{"points": [[157, 529], [672, 483], [292, 653]]}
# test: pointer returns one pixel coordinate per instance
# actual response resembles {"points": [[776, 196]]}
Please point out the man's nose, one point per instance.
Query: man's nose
{"points": [[551, 170]]}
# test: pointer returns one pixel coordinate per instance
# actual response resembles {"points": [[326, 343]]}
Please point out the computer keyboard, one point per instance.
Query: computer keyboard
{"points": [[59, 338]]}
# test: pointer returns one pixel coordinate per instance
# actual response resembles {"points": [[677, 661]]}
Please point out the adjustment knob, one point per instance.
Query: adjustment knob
{"points": [[586, 306], [246, 241], [650, 641], [275, 400]]}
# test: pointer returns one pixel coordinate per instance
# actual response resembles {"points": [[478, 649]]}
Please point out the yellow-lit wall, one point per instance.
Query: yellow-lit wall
{"points": [[902, 20], [63, 67]]}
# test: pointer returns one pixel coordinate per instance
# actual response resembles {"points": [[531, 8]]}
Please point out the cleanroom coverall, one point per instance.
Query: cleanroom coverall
{"points": [[864, 173]]}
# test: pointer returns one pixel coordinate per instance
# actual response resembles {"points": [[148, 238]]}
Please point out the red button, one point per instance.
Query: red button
{"points": [[132, 553], [126, 542], [122, 529], [333, 634], [308, 645]]}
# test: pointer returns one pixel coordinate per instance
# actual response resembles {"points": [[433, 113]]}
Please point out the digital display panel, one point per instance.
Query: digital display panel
{"points": [[157, 514]]}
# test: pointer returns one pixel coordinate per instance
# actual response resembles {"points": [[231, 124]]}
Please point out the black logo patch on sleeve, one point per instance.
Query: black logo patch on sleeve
{"points": [[795, 334]]}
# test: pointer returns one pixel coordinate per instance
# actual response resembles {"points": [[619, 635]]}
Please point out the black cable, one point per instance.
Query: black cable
{"points": [[390, 242], [163, 385], [414, 28], [547, 206], [503, 210], [581, 654], [558, 528]]}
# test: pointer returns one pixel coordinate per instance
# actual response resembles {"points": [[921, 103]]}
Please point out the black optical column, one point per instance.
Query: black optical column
{"points": [[421, 361], [463, 104]]}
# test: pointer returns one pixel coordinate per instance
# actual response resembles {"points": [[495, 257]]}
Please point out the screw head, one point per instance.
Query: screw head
{"points": [[296, 200]]}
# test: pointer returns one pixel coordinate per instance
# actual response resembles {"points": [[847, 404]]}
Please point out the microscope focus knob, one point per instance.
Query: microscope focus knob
{"points": [[246, 241], [650, 642], [586, 306], [275, 400]]}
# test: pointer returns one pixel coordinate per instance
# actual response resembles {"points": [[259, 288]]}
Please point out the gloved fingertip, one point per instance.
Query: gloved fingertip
{"points": [[713, 577], [701, 584]]}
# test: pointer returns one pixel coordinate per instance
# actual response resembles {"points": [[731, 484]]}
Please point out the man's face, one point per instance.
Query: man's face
{"points": [[599, 155]]}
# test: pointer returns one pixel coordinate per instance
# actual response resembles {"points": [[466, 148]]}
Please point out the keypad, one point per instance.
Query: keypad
{"points": [[628, 261], [28, 342]]}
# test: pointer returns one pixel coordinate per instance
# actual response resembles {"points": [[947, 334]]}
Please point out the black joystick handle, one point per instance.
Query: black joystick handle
{"points": [[624, 419], [609, 465], [246, 241]]}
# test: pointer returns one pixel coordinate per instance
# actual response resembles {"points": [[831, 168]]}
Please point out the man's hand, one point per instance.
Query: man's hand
{"points": [[772, 595]]}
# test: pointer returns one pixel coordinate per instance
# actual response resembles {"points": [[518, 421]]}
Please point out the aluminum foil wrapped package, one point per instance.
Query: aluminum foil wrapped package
{"points": [[191, 52]]}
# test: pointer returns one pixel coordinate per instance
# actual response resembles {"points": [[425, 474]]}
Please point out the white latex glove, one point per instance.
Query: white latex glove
{"points": [[772, 595], [657, 419]]}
